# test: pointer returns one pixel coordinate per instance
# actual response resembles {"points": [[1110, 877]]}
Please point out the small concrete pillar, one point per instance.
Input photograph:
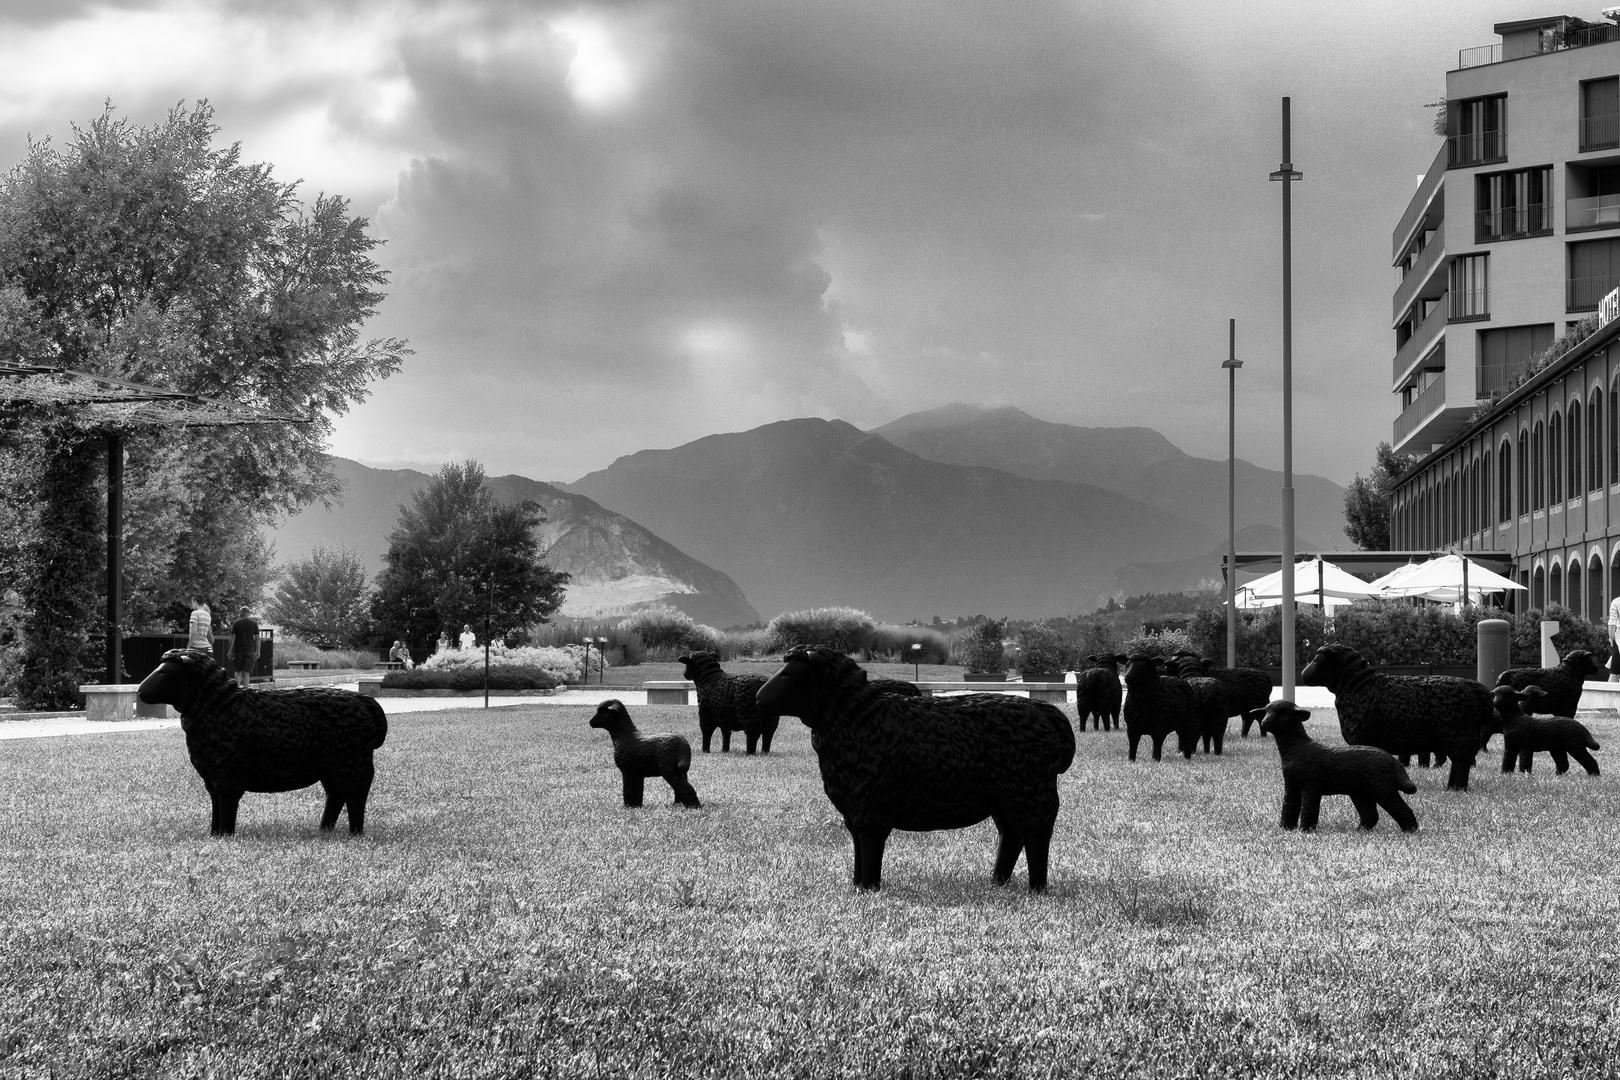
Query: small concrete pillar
{"points": [[1493, 649], [1549, 652]]}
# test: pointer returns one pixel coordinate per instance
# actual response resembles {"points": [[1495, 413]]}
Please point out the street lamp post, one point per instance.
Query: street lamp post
{"points": [[601, 659], [916, 660], [587, 661], [1287, 174], [1231, 364]]}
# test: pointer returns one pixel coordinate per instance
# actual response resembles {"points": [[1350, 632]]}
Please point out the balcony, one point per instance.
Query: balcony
{"points": [[1585, 293], [1597, 212], [1476, 148], [1549, 42], [1418, 277], [1600, 132], [1424, 407], [1418, 209], [1512, 222], [1418, 345]]}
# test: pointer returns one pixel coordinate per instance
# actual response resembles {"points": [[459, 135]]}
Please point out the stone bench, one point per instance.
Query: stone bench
{"points": [[117, 701], [303, 665], [676, 691], [669, 691]]}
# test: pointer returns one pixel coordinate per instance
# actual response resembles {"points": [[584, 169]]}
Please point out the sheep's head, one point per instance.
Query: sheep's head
{"points": [[1582, 664], [697, 663], [611, 714], [1142, 669], [1331, 665], [1112, 663], [178, 677], [805, 684], [1509, 703], [1283, 717]]}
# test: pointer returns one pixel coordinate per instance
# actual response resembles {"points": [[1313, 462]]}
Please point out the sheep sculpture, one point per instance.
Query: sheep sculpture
{"points": [[269, 740], [640, 756], [899, 687], [1157, 704], [726, 704], [1248, 690], [1561, 686], [1524, 736], [1370, 776], [1211, 698], [1097, 693], [1404, 714], [924, 763]]}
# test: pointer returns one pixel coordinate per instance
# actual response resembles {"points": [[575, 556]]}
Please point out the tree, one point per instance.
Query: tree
{"points": [[150, 254], [1367, 501], [452, 544], [323, 599]]}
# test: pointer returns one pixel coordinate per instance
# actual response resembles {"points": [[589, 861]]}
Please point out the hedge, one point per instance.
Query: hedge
{"points": [[506, 677]]}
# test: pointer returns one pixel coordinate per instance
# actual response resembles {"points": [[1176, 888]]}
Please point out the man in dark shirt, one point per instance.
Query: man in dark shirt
{"points": [[244, 647]]}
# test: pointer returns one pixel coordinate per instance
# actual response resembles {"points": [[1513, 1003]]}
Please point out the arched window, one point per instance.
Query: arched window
{"points": [[1555, 585], [1595, 609], [1524, 471], [1504, 482], [1448, 521], [1486, 518], [1614, 431], [1594, 442], [1576, 592], [1538, 588], [1554, 461], [1575, 452]]}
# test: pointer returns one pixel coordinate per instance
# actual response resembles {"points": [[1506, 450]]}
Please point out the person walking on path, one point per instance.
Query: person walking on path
{"points": [[1614, 640], [200, 631], [469, 640], [244, 647]]}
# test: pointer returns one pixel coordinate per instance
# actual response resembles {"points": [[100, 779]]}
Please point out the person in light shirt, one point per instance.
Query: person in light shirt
{"points": [[469, 640], [1614, 640]]}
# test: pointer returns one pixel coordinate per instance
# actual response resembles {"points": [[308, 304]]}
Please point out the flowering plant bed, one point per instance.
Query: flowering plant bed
{"points": [[468, 678]]}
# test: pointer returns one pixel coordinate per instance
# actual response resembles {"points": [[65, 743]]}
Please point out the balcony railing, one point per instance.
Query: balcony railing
{"points": [[1480, 54], [1591, 213], [1418, 344], [1414, 278], [1423, 406], [1585, 293], [1600, 132], [1549, 41], [1476, 148], [1509, 222], [1470, 304], [1420, 201]]}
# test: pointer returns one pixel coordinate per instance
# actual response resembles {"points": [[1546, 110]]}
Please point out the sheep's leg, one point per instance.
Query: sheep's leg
{"points": [[725, 739], [685, 793], [1007, 850], [1399, 811], [1290, 806], [1135, 738], [1310, 808], [632, 789], [1220, 738], [1586, 760], [334, 806], [1037, 846], [1457, 779], [752, 736], [1366, 809], [1406, 761], [1527, 758], [765, 736], [225, 802], [1509, 754], [708, 733], [1158, 747], [1561, 759], [1423, 760], [869, 843], [359, 791]]}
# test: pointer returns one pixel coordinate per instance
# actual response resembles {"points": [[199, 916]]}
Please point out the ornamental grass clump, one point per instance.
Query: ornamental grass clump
{"points": [[841, 628], [666, 630]]}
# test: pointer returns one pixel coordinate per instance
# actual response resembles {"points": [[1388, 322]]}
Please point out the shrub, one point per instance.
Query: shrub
{"points": [[1259, 635], [667, 630], [898, 640], [735, 643], [1040, 650], [1157, 642], [844, 629], [290, 647], [564, 665], [978, 648], [624, 647], [505, 677]]}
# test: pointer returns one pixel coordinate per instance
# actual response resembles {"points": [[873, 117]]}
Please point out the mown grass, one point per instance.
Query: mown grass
{"points": [[504, 916]]}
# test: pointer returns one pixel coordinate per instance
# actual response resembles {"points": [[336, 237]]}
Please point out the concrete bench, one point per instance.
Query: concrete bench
{"points": [[303, 665], [117, 701], [669, 691], [390, 665]]}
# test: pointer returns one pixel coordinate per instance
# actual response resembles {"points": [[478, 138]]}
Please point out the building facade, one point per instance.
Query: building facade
{"points": [[1510, 244]]}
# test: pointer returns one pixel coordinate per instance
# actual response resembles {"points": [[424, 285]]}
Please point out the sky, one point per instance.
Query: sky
{"points": [[627, 225]]}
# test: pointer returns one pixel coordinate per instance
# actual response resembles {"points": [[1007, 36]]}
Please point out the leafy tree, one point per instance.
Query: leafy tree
{"points": [[1367, 500], [148, 253], [451, 546], [323, 599]]}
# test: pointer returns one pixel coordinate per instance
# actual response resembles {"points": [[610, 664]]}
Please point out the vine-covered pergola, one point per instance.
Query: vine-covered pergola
{"points": [[114, 408]]}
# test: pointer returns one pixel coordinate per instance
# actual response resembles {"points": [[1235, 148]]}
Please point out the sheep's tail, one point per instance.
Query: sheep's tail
{"points": [[1403, 779], [1065, 734], [379, 718], [1591, 743]]}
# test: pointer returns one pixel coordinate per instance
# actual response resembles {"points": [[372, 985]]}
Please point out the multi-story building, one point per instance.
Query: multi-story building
{"points": [[1511, 240]]}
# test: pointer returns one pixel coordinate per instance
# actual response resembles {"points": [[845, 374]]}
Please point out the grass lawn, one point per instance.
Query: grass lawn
{"points": [[504, 916]]}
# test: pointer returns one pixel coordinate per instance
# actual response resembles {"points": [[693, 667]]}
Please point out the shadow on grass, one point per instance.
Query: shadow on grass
{"points": [[1155, 899]]}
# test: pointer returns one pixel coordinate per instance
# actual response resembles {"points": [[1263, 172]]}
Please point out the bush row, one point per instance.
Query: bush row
{"points": [[505, 677]]}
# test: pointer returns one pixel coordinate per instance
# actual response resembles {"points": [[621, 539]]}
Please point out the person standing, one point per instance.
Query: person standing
{"points": [[200, 631], [244, 647], [469, 640], [1614, 640], [442, 644]]}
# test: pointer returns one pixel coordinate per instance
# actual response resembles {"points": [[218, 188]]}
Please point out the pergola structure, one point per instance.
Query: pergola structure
{"points": [[117, 407]]}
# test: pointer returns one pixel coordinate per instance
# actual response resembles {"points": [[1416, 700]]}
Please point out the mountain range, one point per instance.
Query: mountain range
{"points": [[953, 511]]}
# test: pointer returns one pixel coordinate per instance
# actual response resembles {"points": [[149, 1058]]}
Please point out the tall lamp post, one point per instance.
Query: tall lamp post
{"points": [[1231, 364], [601, 659], [587, 661], [916, 660], [1287, 174]]}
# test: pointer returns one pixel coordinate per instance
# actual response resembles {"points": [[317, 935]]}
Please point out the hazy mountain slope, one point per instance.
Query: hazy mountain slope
{"points": [[809, 512], [1137, 462], [617, 564]]}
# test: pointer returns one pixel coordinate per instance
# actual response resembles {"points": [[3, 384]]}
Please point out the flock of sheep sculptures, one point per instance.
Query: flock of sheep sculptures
{"points": [[892, 758]]}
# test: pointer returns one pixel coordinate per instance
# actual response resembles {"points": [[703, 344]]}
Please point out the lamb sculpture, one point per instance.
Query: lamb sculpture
{"points": [[1370, 776], [639, 756], [726, 703], [269, 740], [925, 763], [1524, 736]]}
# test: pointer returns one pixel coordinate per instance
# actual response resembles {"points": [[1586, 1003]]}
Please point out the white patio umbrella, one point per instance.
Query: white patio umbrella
{"points": [[1315, 581], [1445, 579]]}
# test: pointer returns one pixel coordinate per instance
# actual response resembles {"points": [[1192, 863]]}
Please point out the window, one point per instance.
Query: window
{"points": [[1614, 431], [1555, 458], [1524, 471], [1470, 288], [1478, 131], [1572, 458], [1502, 354], [1538, 467], [1591, 197], [1594, 270], [1501, 492], [1594, 441], [1513, 204], [1600, 114]]}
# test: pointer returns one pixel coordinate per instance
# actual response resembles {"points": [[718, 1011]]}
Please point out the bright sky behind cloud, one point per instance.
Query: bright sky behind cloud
{"points": [[628, 225]]}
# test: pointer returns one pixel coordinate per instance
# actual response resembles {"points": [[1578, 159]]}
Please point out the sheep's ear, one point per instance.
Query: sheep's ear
{"points": [[1121, 658], [1301, 715]]}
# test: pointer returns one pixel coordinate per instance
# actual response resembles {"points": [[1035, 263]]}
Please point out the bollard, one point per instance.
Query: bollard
{"points": [[1493, 649], [1549, 652]]}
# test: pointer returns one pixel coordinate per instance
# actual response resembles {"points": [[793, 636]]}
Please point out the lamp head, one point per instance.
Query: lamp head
{"points": [[1233, 363]]}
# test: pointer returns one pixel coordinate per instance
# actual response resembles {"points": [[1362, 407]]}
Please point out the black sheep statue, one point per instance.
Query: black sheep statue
{"points": [[639, 756], [1404, 714], [1524, 736], [1097, 693], [1561, 686], [1370, 776], [269, 740], [726, 703], [1157, 705], [1248, 690], [925, 763], [898, 687]]}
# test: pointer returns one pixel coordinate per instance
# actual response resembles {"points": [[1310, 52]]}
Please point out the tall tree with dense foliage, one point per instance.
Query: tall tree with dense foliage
{"points": [[457, 553], [148, 253], [323, 599], [1367, 500]]}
